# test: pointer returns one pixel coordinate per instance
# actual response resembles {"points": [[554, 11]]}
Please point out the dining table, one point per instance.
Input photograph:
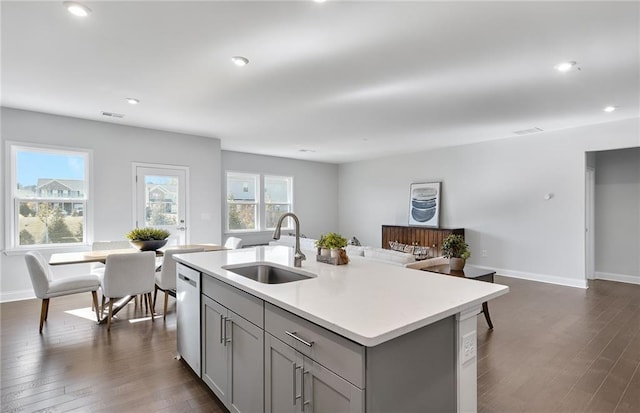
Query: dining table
{"points": [[100, 256], [84, 257]]}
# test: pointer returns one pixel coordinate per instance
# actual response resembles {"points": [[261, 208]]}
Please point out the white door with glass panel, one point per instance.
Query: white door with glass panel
{"points": [[161, 200]]}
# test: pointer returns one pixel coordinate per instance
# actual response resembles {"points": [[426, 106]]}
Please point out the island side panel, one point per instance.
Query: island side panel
{"points": [[415, 372], [467, 359]]}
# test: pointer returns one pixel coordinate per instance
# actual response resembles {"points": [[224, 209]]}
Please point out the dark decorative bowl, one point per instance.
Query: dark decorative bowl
{"points": [[151, 245]]}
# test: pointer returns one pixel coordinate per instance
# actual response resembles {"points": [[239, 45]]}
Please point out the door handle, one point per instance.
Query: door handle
{"points": [[226, 339], [221, 318], [306, 402], [295, 381]]}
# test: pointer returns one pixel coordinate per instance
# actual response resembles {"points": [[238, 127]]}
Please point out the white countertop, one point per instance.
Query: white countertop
{"points": [[366, 301]]}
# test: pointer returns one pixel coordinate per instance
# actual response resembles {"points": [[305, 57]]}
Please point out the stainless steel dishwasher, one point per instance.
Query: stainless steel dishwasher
{"points": [[188, 315]]}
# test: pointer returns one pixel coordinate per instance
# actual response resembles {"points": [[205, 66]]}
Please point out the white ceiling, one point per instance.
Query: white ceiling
{"points": [[349, 80]]}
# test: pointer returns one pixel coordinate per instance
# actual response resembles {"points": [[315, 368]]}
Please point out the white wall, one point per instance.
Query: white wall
{"points": [[115, 148], [617, 215], [495, 191], [315, 191]]}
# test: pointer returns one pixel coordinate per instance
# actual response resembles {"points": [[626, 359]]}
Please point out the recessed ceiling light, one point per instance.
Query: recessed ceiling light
{"points": [[565, 66], [319, 1], [240, 60], [133, 101], [609, 109], [77, 9]]}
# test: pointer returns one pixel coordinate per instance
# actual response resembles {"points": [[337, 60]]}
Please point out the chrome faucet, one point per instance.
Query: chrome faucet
{"points": [[298, 256]]}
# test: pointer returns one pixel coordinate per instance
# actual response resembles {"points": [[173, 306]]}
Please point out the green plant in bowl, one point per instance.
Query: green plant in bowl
{"points": [[147, 234], [147, 238]]}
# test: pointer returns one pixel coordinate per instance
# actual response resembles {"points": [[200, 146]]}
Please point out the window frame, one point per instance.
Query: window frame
{"points": [[261, 214], [13, 200], [287, 223], [257, 203]]}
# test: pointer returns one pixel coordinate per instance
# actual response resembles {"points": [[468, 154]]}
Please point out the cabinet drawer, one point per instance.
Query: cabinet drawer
{"points": [[338, 354], [241, 303]]}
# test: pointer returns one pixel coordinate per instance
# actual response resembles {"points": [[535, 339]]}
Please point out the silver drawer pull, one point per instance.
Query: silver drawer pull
{"points": [[305, 342]]}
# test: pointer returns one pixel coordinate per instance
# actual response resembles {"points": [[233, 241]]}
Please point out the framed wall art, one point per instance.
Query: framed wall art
{"points": [[424, 204]]}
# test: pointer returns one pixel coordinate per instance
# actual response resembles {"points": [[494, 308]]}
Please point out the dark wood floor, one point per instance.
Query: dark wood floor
{"points": [[561, 349], [554, 349]]}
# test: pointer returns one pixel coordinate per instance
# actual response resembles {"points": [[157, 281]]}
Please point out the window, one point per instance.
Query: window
{"points": [[242, 202], [248, 211], [49, 191], [277, 200]]}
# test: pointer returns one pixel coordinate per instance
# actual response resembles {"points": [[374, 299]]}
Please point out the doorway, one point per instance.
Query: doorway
{"points": [[160, 199]]}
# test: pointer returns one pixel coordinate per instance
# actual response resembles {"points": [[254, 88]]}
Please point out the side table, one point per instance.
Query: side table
{"points": [[471, 272]]}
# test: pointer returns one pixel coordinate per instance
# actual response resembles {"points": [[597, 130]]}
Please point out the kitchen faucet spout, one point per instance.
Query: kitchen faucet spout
{"points": [[298, 255]]}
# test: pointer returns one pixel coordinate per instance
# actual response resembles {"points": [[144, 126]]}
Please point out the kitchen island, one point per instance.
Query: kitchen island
{"points": [[365, 336]]}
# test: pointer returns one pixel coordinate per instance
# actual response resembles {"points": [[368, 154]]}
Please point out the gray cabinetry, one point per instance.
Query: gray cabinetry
{"points": [[258, 357], [295, 383], [283, 377], [306, 367], [232, 347], [214, 347]]}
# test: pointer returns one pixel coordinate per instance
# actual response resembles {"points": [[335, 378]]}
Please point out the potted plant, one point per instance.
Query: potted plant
{"points": [[335, 242], [457, 250], [147, 238], [321, 245]]}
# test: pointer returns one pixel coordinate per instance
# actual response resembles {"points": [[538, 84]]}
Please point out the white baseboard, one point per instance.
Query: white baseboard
{"points": [[544, 278], [16, 296], [622, 278]]}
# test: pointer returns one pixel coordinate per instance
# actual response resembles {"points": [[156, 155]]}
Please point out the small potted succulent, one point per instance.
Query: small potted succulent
{"points": [[457, 250], [147, 238]]}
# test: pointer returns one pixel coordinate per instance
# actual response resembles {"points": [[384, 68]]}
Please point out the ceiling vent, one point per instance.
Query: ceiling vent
{"points": [[113, 115], [528, 131]]}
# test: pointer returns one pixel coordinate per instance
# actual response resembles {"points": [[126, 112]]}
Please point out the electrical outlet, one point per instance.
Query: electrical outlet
{"points": [[469, 350], [484, 253]]}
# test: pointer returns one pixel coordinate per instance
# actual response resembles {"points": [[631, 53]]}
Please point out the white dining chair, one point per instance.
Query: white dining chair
{"points": [[46, 288], [166, 277], [107, 245], [128, 275], [97, 268], [233, 243]]}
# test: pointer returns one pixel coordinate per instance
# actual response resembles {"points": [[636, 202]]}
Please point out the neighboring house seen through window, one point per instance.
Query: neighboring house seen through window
{"points": [[252, 209], [49, 192]]}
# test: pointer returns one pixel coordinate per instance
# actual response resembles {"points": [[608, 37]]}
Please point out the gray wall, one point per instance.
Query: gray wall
{"points": [[495, 190], [115, 148], [315, 191], [617, 215]]}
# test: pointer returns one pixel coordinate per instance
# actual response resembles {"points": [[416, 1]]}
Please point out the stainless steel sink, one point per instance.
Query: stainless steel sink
{"points": [[268, 274]]}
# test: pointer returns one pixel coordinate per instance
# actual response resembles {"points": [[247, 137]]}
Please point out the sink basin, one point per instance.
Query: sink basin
{"points": [[267, 273]]}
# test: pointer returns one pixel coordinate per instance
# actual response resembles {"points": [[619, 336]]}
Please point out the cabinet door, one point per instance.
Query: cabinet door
{"points": [[245, 344], [282, 377], [326, 392], [214, 347]]}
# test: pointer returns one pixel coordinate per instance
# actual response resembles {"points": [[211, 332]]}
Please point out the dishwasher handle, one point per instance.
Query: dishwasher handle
{"points": [[187, 279]]}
